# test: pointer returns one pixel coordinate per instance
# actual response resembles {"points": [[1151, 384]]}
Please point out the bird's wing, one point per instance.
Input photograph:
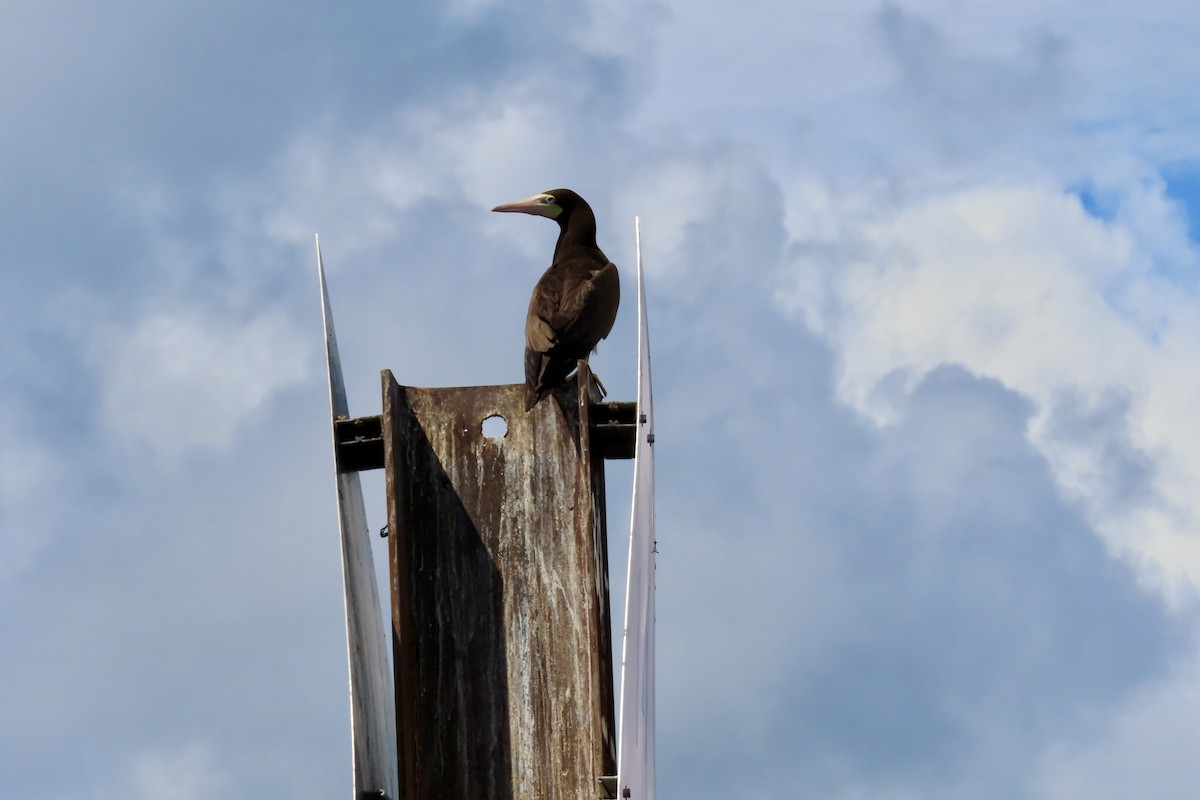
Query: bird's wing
{"points": [[572, 308], [598, 309]]}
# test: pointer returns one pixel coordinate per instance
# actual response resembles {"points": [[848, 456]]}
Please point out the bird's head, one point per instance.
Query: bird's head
{"points": [[555, 204]]}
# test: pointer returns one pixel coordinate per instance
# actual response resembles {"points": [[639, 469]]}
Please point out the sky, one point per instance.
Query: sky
{"points": [[923, 281]]}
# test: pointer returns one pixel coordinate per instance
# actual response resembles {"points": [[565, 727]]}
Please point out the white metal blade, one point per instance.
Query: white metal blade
{"points": [[372, 692], [635, 745]]}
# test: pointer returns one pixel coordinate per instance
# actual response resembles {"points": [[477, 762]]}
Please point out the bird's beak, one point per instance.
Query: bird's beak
{"points": [[541, 204]]}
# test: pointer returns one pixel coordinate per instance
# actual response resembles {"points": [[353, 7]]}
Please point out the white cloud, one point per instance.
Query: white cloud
{"points": [[486, 149], [1010, 278], [1019, 283], [182, 379]]}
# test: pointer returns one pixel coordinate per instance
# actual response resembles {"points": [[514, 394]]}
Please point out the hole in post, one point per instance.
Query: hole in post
{"points": [[494, 427]]}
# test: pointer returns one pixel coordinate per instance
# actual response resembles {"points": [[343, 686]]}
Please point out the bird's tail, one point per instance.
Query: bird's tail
{"points": [[533, 395]]}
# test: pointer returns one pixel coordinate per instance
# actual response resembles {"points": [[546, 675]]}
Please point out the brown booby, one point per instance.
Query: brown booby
{"points": [[574, 304]]}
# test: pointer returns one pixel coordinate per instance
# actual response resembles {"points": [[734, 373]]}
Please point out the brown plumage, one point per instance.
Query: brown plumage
{"points": [[574, 304]]}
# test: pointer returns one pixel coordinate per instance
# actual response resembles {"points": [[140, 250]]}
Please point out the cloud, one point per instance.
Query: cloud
{"points": [[177, 381], [958, 98], [912, 610], [30, 481], [1145, 749], [1019, 283]]}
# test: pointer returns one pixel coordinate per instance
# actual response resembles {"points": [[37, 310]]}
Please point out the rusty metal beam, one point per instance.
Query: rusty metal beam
{"points": [[499, 582]]}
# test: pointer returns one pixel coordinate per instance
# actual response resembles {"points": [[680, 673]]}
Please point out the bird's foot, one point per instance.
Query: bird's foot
{"points": [[595, 388]]}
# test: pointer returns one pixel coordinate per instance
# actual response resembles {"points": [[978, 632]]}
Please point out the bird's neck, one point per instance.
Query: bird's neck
{"points": [[575, 232]]}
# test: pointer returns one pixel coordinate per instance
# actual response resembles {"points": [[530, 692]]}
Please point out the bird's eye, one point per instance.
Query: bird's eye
{"points": [[548, 200]]}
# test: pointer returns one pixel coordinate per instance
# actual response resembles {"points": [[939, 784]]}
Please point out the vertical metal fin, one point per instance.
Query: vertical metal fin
{"points": [[635, 749], [372, 704]]}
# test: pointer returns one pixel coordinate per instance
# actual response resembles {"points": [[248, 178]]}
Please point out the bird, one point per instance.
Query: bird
{"points": [[574, 303]]}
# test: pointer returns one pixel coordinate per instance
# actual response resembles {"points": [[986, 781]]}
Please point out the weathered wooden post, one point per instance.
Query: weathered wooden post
{"points": [[499, 587]]}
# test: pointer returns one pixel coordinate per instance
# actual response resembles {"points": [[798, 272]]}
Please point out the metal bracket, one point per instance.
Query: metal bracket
{"points": [[358, 443], [614, 431]]}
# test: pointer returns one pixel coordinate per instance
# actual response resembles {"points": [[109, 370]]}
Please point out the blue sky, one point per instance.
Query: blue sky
{"points": [[923, 287]]}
